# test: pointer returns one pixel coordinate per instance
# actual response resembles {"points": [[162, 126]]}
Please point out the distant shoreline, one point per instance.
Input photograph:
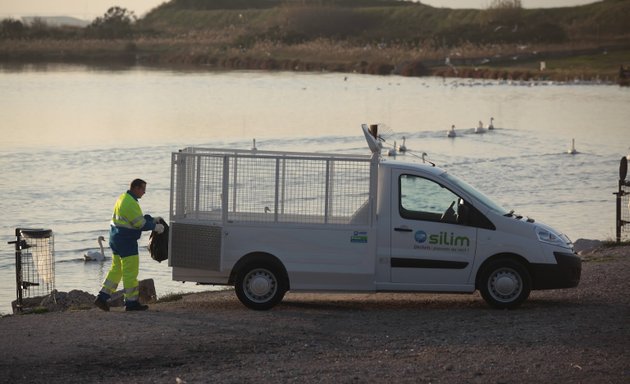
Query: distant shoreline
{"points": [[556, 66]]}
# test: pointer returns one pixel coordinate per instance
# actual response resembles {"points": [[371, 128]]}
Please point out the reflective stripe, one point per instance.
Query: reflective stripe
{"points": [[130, 277], [113, 276], [127, 213], [109, 286], [121, 221], [132, 293]]}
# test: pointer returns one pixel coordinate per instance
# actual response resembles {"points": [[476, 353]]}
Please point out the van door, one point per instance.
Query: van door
{"points": [[429, 244]]}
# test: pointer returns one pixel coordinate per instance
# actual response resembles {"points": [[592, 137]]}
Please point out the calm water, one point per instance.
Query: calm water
{"points": [[73, 137]]}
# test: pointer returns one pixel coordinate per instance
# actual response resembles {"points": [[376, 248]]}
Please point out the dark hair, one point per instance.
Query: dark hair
{"points": [[137, 183]]}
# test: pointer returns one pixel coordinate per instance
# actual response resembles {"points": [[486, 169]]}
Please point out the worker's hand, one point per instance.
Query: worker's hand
{"points": [[159, 228]]}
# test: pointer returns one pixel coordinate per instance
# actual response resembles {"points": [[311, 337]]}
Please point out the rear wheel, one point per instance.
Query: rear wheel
{"points": [[260, 286], [505, 284]]}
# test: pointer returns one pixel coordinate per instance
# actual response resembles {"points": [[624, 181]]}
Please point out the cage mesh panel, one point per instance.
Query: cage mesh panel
{"points": [[350, 187], [252, 186], [303, 190], [195, 246], [625, 211], [209, 188], [38, 263], [271, 187]]}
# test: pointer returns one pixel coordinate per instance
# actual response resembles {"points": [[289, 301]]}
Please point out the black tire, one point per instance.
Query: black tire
{"points": [[260, 286], [505, 283]]}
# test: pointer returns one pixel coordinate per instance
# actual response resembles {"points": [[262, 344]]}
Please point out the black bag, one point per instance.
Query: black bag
{"points": [[158, 243]]}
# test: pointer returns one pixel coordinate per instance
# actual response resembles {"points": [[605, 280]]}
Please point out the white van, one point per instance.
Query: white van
{"points": [[269, 222]]}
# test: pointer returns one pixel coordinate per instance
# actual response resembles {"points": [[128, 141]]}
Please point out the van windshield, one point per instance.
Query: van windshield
{"points": [[478, 195]]}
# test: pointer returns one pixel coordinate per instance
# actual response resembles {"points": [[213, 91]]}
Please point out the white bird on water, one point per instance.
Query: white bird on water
{"points": [[451, 132], [479, 128], [572, 150], [96, 255], [392, 151], [491, 126]]}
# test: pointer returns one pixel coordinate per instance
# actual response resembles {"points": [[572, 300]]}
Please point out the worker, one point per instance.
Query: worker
{"points": [[126, 227]]}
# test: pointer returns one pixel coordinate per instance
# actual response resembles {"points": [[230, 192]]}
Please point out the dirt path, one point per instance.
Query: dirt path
{"points": [[579, 335]]}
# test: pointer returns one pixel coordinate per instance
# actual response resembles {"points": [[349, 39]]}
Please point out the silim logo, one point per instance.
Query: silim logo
{"points": [[442, 238], [420, 236]]}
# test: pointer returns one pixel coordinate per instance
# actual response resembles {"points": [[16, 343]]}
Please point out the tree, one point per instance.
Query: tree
{"points": [[506, 4], [505, 13], [116, 23], [11, 29]]}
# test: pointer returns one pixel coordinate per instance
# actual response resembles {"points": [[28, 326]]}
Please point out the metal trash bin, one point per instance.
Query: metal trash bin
{"points": [[34, 264]]}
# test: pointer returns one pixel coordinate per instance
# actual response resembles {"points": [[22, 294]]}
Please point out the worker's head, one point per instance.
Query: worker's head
{"points": [[138, 187]]}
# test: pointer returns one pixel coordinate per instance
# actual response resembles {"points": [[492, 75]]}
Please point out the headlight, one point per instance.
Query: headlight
{"points": [[550, 237]]}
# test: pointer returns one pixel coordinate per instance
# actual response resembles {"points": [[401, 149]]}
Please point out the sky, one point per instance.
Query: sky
{"points": [[90, 9]]}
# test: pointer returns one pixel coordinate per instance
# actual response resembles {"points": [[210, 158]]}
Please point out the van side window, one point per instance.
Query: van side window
{"points": [[423, 199]]}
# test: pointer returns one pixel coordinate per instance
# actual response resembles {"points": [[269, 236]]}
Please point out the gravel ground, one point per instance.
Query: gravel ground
{"points": [[579, 335]]}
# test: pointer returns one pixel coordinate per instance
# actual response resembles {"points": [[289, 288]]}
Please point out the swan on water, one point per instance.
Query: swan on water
{"points": [[572, 150], [451, 132], [491, 126], [402, 147], [96, 255], [479, 128], [254, 145], [392, 151]]}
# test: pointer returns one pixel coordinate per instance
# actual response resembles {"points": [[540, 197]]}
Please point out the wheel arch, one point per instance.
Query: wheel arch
{"points": [[259, 257], [502, 256]]}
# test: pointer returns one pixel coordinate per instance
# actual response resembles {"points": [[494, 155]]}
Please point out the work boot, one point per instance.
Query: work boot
{"points": [[135, 306], [101, 304]]}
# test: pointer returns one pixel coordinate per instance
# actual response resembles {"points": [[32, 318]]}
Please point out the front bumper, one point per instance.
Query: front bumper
{"points": [[564, 274]]}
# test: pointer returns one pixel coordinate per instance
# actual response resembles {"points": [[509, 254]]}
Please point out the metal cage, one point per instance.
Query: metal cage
{"points": [[34, 263], [270, 187], [622, 222]]}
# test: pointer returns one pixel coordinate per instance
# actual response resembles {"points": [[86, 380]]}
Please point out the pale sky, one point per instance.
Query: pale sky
{"points": [[90, 9]]}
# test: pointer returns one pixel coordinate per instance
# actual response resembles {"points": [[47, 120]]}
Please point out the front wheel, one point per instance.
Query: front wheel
{"points": [[505, 284], [260, 286]]}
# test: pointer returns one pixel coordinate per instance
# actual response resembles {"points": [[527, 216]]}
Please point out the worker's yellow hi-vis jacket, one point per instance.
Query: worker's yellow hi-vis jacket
{"points": [[127, 225]]}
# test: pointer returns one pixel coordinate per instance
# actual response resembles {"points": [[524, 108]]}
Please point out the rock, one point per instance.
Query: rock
{"points": [[61, 301], [583, 246], [147, 294], [76, 299], [28, 303]]}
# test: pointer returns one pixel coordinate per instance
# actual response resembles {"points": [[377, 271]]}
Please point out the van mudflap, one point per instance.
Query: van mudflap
{"points": [[564, 274]]}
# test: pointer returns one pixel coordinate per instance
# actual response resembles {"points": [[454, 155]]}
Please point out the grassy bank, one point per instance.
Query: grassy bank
{"points": [[492, 62], [364, 36]]}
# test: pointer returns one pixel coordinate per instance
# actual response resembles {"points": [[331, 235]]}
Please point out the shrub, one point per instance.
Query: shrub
{"points": [[116, 23], [11, 29]]}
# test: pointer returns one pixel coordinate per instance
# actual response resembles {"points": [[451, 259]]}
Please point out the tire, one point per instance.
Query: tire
{"points": [[260, 286], [505, 284]]}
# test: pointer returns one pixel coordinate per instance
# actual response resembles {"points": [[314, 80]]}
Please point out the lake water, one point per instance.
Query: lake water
{"points": [[72, 137]]}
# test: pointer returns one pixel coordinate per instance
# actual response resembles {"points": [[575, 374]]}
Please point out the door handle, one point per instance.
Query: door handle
{"points": [[402, 229]]}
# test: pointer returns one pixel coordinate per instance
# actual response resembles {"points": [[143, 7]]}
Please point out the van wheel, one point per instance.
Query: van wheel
{"points": [[260, 286], [505, 284]]}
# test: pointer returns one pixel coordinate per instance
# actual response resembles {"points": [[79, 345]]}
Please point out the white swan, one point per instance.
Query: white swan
{"points": [[451, 132], [479, 128], [572, 150], [491, 126], [96, 255], [402, 147], [392, 151]]}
